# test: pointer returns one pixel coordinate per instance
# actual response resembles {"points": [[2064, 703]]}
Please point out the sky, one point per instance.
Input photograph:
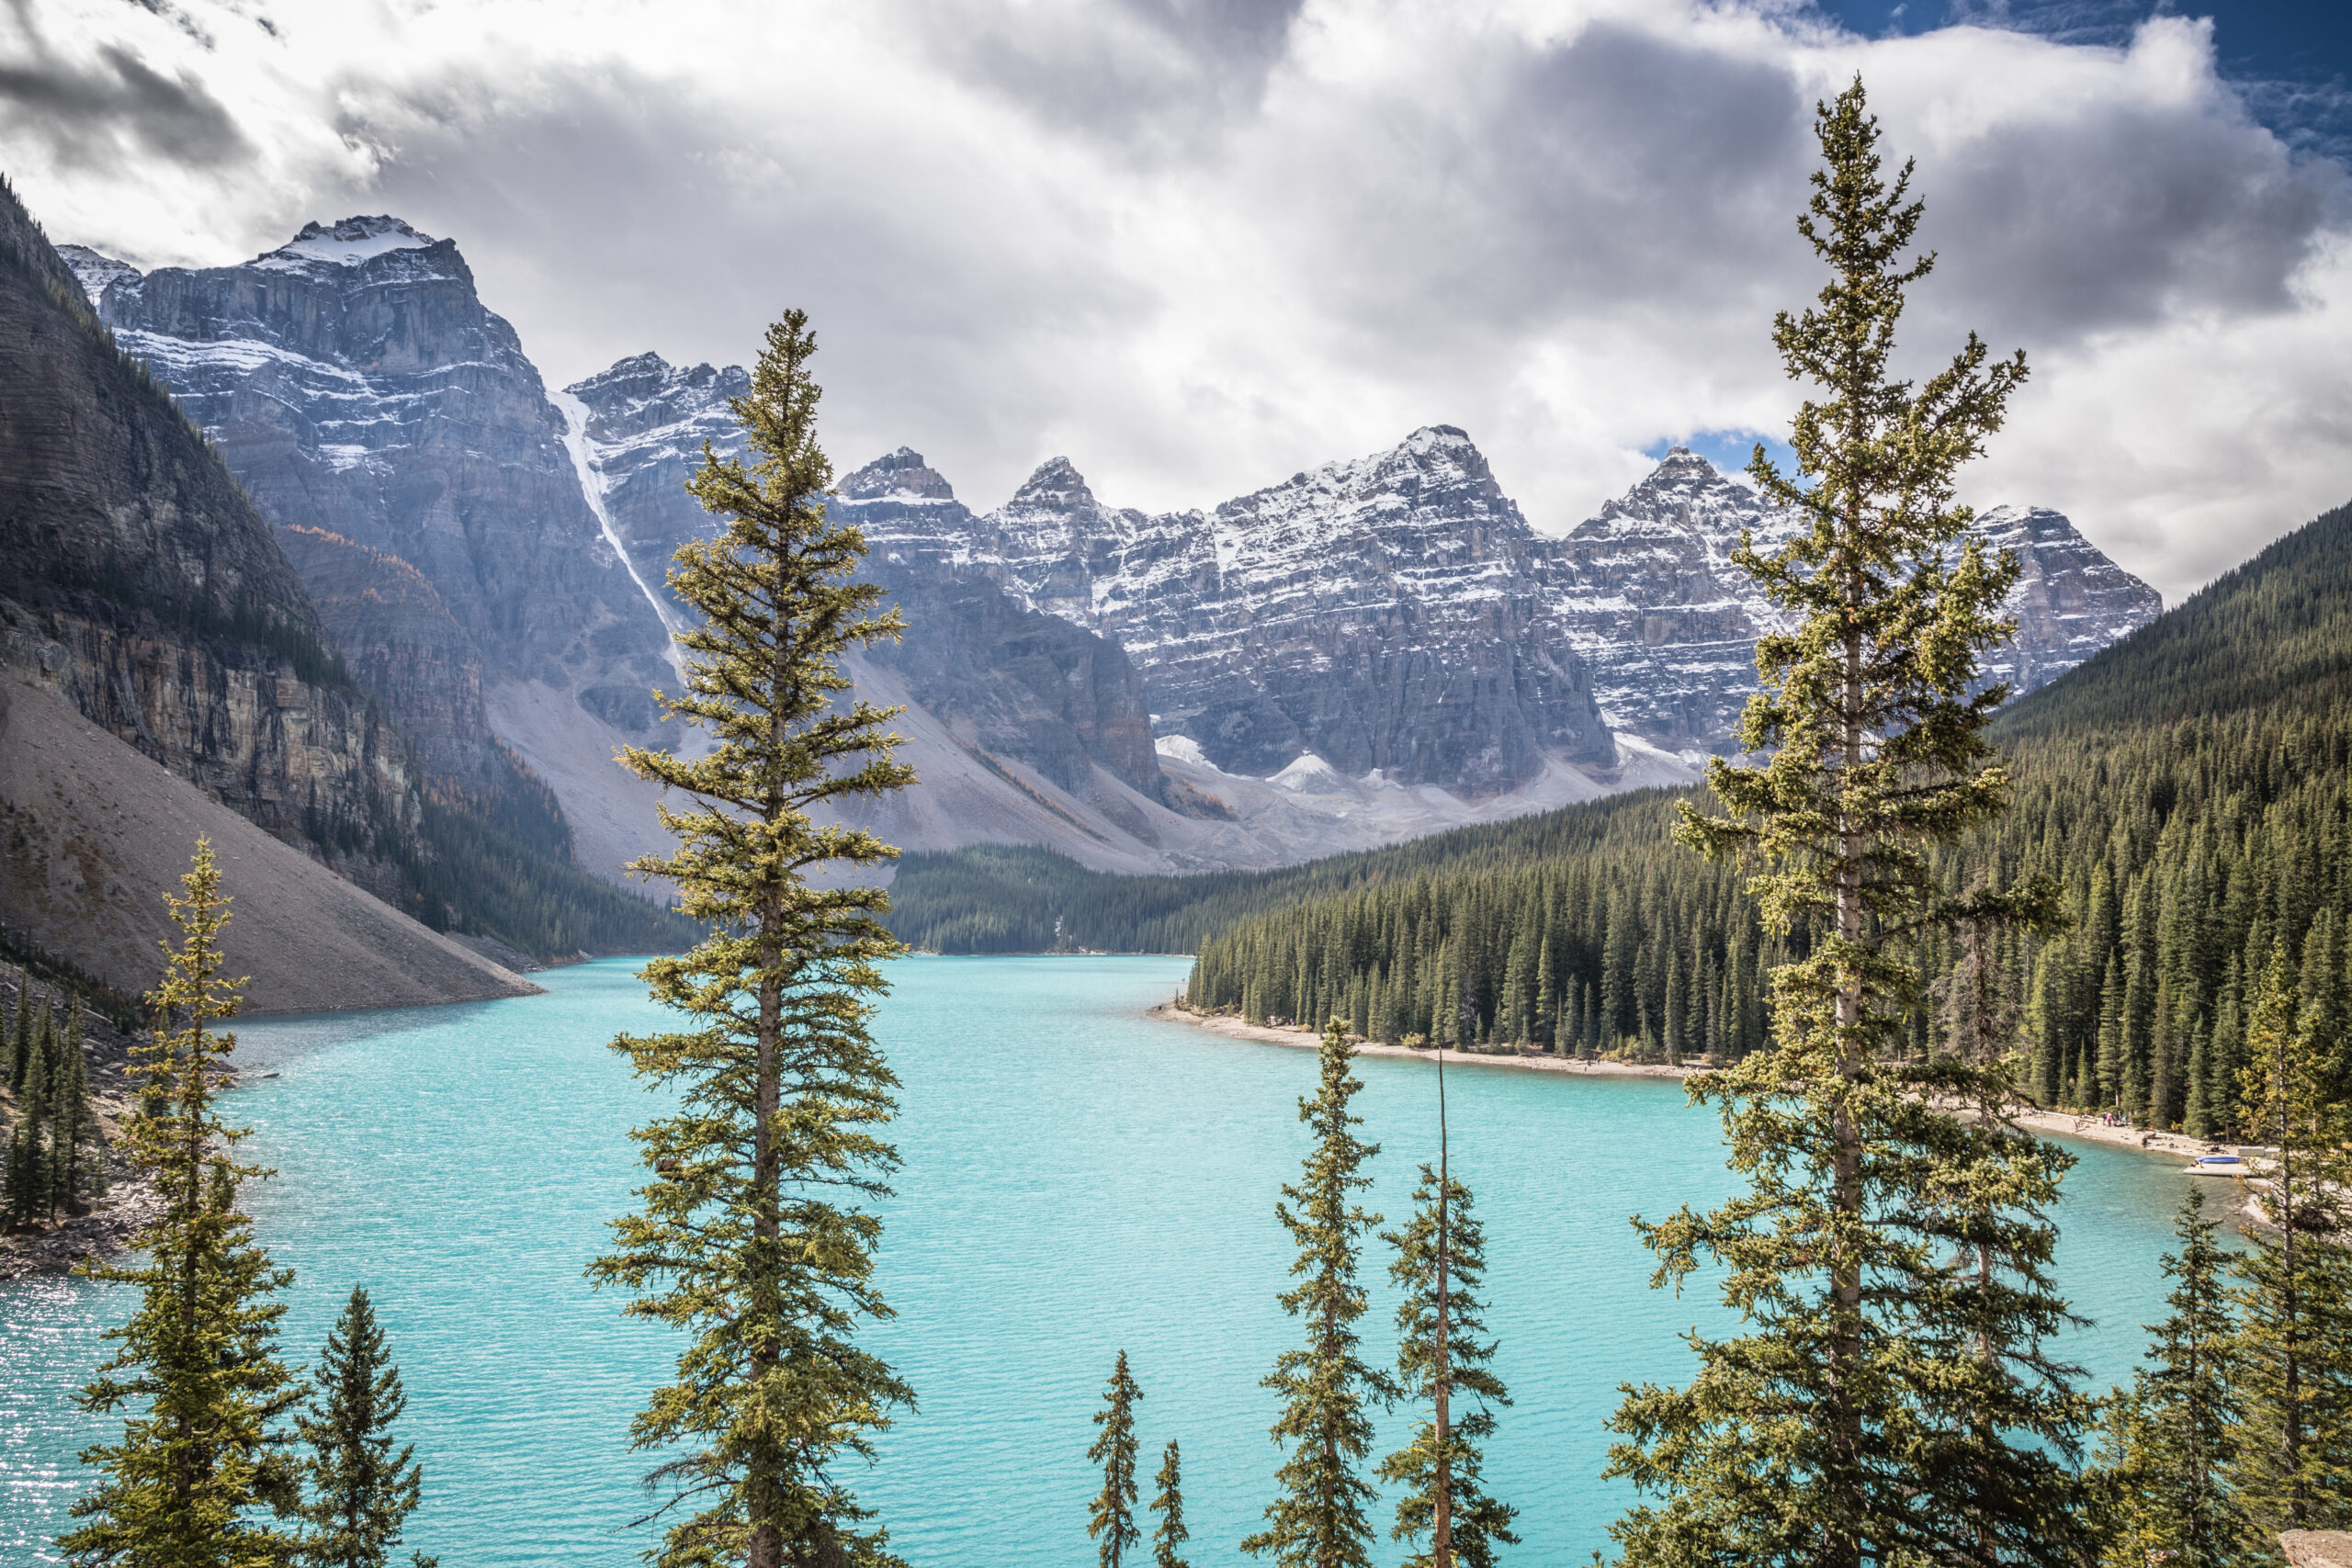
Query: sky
{"points": [[1198, 246]]}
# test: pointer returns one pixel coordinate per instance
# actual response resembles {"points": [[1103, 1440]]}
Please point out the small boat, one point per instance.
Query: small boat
{"points": [[2218, 1164]]}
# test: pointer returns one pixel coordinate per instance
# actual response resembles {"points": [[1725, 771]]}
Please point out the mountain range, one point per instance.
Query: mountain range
{"points": [[1375, 648]]}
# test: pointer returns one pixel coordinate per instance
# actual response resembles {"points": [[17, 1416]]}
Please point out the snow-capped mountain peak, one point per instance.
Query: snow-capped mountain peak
{"points": [[94, 270], [346, 243], [1056, 486], [900, 476]]}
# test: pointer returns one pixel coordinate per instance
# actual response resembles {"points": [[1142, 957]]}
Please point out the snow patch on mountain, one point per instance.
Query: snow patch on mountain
{"points": [[346, 243]]}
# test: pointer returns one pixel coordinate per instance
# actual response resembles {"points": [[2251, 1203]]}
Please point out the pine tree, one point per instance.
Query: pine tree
{"points": [[752, 1237], [1319, 1521], [72, 1123], [1111, 1522], [1168, 1540], [2292, 1466], [24, 1173], [20, 1038], [1441, 1354], [2170, 1439], [198, 1362], [1883, 1402], [360, 1491]]}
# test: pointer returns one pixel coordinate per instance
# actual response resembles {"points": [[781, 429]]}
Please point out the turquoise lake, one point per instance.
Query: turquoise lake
{"points": [[1077, 1179]]}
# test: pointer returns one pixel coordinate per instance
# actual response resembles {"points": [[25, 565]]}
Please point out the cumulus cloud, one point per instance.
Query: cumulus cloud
{"points": [[1199, 245]]}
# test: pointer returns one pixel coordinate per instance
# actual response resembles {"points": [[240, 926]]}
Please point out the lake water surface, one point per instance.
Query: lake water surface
{"points": [[1079, 1179]]}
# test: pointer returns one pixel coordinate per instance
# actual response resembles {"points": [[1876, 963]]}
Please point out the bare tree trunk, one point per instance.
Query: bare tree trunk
{"points": [[1441, 1533]]}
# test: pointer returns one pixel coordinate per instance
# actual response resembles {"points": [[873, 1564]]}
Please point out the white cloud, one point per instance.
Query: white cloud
{"points": [[1198, 244]]}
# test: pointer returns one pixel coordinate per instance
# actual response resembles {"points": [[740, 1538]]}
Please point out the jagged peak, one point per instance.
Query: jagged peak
{"points": [[645, 367], [1055, 486], [349, 242], [94, 270], [900, 475]]}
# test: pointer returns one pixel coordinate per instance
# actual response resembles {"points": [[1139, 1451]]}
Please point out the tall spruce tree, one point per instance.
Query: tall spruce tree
{"points": [[198, 1365], [1318, 1520], [2171, 1438], [1886, 1402], [360, 1493], [1443, 1354], [754, 1236], [1111, 1523], [1168, 1537], [2292, 1463]]}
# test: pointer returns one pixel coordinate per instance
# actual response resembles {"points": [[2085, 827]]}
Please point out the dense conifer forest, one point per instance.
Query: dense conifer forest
{"points": [[2191, 790]]}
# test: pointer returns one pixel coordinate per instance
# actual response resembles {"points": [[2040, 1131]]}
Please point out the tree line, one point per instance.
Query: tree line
{"points": [[2182, 853]]}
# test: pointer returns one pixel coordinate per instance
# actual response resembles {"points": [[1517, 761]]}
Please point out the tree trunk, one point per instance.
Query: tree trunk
{"points": [[764, 1504], [1842, 1550]]}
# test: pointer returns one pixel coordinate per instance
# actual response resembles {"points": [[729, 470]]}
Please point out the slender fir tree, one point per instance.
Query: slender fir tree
{"points": [[80, 1147], [1168, 1537], [1443, 1354], [2292, 1463], [1111, 1524], [753, 1237], [21, 1037], [198, 1365], [360, 1493], [24, 1175], [1885, 1401], [2170, 1439], [1318, 1520]]}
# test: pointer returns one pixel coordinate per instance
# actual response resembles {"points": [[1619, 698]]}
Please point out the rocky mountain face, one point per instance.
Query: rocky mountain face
{"points": [[138, 582], [354, 383], [163, 674], [645, 422], [1650, 597], [1380, 641], [2070, 601], [1380, 615], [1646, 594], [1002, 679], [402, 644]]}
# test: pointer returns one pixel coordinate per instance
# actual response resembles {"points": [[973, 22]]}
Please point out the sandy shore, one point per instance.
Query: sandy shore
{"points": [[1307, 1040], [2168, 1145]]}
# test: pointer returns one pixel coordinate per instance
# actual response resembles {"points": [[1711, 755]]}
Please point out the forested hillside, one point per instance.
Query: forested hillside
{"points": [[2191, 789]]}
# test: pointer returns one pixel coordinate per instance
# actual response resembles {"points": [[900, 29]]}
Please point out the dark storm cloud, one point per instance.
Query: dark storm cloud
{"points": [[95, 116], [1144, 73], [2084, 226], [1626, 169]]}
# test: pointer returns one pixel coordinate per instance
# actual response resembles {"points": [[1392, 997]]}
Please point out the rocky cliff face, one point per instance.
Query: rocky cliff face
{"points": [[1000, 678], [1379, 614], [404, 646], [137, 581], [2070, 601], [1009, 679], [646, 421], [355, 382], [1647, 594]]}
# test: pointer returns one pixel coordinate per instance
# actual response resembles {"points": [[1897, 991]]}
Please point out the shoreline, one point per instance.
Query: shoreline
{"points": [[2161, 1146], [1302, 1040]]}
